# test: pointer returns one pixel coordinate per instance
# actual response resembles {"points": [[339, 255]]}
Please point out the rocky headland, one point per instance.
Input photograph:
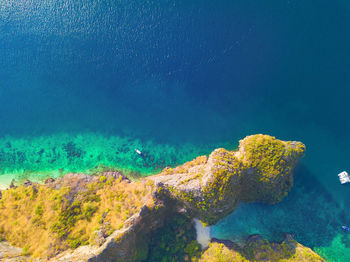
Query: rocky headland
{"points": [[107, 217]]}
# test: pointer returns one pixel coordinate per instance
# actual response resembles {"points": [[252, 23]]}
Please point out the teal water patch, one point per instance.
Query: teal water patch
{"points": [[338, 250], [37, 158], [309, 212]]}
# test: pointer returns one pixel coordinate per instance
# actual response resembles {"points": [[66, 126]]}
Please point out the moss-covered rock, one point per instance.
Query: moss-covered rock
{"points": [[268, 164], [109, 218], [261, 170], [218, 252], [258, 249]]}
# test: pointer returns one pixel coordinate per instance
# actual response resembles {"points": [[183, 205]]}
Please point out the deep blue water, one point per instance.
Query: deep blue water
{"points": [[191, 71]]}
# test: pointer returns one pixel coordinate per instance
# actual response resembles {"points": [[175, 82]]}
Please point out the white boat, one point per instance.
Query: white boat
{"points": [[346, 228], [138, 151], [344, 177]]}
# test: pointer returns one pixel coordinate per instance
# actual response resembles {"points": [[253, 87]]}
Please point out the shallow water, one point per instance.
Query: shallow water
{"points": [[85, 83]]}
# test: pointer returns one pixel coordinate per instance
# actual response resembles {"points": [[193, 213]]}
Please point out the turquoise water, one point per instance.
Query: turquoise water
{"points": [[82, 84]]}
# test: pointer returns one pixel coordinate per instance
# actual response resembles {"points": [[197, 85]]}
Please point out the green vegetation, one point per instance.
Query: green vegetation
{"points": [[272, 161], [45, 220], [79, 210], [257, 250], [175, 241], [259, 171], [218, 252]]}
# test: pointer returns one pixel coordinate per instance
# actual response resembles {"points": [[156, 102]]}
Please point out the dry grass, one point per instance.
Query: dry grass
{"points": [[186, 166], [45, 220]]}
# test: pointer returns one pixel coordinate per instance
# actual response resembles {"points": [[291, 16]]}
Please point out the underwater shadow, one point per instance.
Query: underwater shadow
{"points": [[309, 213], [315, 218]]}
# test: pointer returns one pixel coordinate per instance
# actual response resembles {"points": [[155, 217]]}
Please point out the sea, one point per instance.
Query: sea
{"points": [[84, 83]]}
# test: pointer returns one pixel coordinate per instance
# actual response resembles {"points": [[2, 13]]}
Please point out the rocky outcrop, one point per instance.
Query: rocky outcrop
{"points": [[124, 245], [260, 170], [258, 249], [110, 218], [9, 253], [79, 210]]}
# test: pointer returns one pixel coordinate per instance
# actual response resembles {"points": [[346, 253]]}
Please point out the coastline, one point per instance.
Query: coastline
{"points": [[90, 153], [5, 181], [104, 225], [40, 176]]}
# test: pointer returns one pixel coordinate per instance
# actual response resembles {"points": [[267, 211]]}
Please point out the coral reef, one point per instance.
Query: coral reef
{"points": [[37, 158]]}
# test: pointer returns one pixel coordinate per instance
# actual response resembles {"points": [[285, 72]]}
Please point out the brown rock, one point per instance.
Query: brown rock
{"points": [[49, 180], [27, 182], [12, 185]]}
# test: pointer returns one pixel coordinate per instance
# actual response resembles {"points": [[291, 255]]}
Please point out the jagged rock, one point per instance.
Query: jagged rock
{"points": [[9, 253], [120, 210], [116, 175], [258, 249], [125, 245], [208, 188], [49, 180], [99, 237], [229, 244], [76, 183], [261, 170], [27, 182], [12, 184]]}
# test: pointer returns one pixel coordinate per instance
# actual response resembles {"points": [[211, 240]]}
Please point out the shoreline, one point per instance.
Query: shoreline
{"points": [[40, 176], [72, 153], [5, 182]]}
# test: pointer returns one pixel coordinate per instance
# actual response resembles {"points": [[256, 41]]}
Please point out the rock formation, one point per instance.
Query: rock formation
{"points": [[261, 170], [110, 218], [258, 249]]}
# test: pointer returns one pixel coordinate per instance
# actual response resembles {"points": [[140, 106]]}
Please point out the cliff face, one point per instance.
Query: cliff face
{"points": [[261, 170], [109, 218], [74, 211], [127, 244]]}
